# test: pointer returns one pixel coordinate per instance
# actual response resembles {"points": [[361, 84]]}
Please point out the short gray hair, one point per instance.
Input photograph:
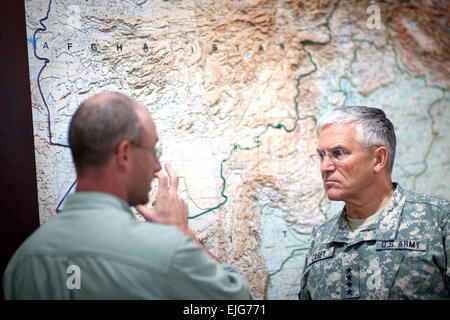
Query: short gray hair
{"points": [[372, 126], [99, 125]]}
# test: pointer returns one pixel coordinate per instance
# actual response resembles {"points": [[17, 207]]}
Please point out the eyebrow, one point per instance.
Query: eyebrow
{"points": [[339, 146]]}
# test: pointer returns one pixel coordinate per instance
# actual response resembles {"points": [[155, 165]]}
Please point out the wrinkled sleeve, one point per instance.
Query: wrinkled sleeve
{"points": [[304, 292], [193, 275], [8, 284]]}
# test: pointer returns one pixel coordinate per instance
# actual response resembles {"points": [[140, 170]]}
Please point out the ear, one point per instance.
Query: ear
{"points": [[380, 159], [122, 155]]}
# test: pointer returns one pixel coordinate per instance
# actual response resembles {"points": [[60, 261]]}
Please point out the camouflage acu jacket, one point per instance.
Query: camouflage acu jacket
{"points": [[404, 255]]}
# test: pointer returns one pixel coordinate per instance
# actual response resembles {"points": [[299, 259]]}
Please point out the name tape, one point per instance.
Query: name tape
{"points": [[415, 245], [320, 255]]}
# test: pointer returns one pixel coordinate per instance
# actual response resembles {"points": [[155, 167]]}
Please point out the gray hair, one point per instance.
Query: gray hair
{"points": [[99, 125], [372, 126]]}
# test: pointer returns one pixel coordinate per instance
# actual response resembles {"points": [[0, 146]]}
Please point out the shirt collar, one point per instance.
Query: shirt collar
{"points": [[94, 200], [385, 228]]}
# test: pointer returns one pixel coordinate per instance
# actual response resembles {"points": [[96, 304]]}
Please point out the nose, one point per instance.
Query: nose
{"points": [[327, 164], [158, 166]]}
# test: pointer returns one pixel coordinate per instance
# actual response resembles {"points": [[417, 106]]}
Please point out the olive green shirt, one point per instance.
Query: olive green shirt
{"points": [[96, 249]]}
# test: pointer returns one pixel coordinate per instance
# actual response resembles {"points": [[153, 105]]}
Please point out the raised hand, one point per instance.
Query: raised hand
{"points": [[169, 207]]}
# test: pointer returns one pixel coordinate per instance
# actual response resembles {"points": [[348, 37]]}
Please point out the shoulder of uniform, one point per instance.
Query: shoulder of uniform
{"points": [[321, 232], [434, 206], [422, 198], [327, 224]]}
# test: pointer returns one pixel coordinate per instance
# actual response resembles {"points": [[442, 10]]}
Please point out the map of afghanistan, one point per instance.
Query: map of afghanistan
{"points": [[236, 88]]}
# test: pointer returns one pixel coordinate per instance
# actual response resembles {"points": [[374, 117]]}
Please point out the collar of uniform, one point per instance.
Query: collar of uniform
{"points": [[391, 217], [385, 228], [94, 200]]}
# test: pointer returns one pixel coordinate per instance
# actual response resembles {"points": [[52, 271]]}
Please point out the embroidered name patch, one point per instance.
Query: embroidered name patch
{"points": [[415, 245], [321, 254]]}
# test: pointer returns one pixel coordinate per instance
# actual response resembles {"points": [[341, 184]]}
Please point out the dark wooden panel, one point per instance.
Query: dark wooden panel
{"points": [[19, 213]]}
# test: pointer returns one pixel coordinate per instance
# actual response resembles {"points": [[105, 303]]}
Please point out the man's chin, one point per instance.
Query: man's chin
{"points": [[138, 201], [333, 195]]}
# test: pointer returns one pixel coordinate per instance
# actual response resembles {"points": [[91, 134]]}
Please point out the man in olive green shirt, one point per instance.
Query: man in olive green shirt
{"points": [[95, 248]]}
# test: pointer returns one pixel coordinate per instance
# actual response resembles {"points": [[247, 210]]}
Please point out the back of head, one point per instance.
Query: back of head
{"points": [[373, 128], [99, 125]]}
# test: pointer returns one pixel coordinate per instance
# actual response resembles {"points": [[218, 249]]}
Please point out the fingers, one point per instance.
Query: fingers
{"points": [[163, 182], [169, 207], [147, 213], [173, 178]]}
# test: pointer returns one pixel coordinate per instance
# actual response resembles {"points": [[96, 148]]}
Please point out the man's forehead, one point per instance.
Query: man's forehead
{"points": [[337, 135]]}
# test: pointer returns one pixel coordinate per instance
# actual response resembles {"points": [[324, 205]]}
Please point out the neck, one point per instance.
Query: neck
{"points": [[370, 202], [93, 181]]}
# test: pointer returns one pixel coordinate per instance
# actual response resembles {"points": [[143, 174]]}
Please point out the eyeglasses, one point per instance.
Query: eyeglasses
{"points": [[156, 150], [336, 155]]}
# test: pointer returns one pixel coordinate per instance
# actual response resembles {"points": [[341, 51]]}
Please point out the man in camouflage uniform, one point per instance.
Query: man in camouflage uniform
{"points": [[387, 243]]}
